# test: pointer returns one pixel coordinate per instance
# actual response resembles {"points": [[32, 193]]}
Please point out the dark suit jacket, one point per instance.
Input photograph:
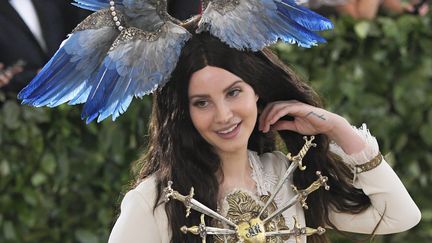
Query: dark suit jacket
{"points": [[184, 9], [17, 42]]}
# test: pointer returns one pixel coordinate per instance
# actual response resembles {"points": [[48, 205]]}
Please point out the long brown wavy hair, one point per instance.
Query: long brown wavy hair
{"points": [[177, 152]]}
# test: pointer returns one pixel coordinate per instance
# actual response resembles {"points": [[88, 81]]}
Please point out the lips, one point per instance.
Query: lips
{"points": [[229, 132]]}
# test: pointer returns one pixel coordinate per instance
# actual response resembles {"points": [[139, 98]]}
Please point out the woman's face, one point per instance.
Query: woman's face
{"points": [[222, 108]]}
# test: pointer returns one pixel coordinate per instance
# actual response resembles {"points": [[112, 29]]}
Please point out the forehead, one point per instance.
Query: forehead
{"points": [[210, 79]]}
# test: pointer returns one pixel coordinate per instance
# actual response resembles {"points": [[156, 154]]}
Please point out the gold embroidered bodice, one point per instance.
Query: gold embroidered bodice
{"points": [[246, 217], [243, 209]]}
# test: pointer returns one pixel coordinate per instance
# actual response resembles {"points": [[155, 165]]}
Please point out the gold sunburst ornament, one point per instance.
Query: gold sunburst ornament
{"points": [[252, 219]]}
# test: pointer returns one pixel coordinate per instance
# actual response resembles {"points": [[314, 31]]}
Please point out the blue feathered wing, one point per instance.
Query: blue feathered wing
{"points": [[255, 24], [105, 68], [95, 5]]}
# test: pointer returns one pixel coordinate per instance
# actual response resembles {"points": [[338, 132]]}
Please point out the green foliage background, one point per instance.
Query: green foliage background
{"points": [[61, 180]]}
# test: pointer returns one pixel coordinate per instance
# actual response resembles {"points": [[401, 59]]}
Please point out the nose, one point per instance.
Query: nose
{"points": [[224, 113]]}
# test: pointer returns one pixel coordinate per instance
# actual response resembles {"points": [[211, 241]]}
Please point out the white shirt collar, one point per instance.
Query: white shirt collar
{"points": [[28, 14]]}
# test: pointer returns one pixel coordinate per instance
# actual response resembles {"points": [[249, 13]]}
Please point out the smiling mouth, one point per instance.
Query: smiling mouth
{"points": [[230, 132], [226, 131]]}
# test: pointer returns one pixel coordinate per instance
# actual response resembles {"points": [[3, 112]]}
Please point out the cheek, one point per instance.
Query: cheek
{"points": [[200, 119], [249, 107]]}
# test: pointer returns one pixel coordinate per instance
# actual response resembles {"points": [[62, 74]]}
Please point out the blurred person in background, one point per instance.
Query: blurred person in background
{"points": [[366, 9], [31, 31]]}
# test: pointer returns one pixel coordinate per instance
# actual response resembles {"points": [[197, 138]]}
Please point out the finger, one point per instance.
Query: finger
{"points": [[276, 115], [274, 107], [3, 80], [423, 10], [268, 118], [16, 70], [264, 113], [289, 109], [284, 125], [292, 109], [8, 74]]}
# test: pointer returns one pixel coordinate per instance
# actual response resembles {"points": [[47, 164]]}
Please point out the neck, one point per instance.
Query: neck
{"points": [[235, 173], [235, 166]]}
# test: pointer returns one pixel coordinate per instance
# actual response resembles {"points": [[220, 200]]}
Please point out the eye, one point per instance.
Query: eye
{"points": [[234, 92], [201, 103]]}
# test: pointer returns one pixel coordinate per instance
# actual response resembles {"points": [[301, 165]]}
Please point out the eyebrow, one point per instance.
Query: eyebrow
{"points": [[225, 90]]}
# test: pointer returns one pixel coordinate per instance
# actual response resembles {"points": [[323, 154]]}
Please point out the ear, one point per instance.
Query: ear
{"points": [[256, 97]]}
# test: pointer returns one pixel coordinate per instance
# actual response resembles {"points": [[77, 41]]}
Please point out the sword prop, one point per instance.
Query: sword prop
{"points": [[191, 203], [301, 196], [254, 229], [202, 230], [297, 231], [296, 161]]}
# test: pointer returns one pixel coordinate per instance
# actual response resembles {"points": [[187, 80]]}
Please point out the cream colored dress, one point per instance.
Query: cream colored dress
{"points": [[138, 224]]}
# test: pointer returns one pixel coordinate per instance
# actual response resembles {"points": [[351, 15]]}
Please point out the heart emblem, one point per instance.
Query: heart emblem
{"points": [[252, 231]]}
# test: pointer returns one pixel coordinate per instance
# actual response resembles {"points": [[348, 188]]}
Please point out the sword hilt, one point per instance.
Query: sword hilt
{"points": [[323, 180], [168, 192], [298, 159], [188, 203], [303, 194], [307, 231], [196, 230]]}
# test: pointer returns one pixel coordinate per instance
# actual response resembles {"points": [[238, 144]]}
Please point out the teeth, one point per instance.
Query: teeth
{"points": [[229, 130]]}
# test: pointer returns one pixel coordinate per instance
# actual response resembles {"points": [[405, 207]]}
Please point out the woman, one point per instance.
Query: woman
{"points": [[214, 128]]}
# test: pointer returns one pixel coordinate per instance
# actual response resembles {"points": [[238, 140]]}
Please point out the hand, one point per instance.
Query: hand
{"points": [[310, 120], [7, 74], [418, 7]]}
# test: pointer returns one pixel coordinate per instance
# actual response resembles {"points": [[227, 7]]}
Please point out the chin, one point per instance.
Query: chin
{"points": [[234, 145], [228, 147]]}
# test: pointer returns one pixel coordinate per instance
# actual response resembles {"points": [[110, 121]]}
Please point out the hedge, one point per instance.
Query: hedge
{"points": [[62, 180]]}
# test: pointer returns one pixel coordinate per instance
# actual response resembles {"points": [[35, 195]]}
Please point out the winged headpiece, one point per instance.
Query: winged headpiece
{"points": [[120, 51]]}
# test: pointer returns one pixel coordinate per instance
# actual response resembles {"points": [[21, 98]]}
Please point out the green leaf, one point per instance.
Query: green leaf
{"points": [[362, 29], [401, 142], [9, 230], [2, 97], [105, 215], [11, 112], [427, 215], [85, 236], [28, 217], [30, 196], [35, 114], [426, 133], [389, 27], [48, 163], [38, 179], [414, 169], [4, 168]]}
